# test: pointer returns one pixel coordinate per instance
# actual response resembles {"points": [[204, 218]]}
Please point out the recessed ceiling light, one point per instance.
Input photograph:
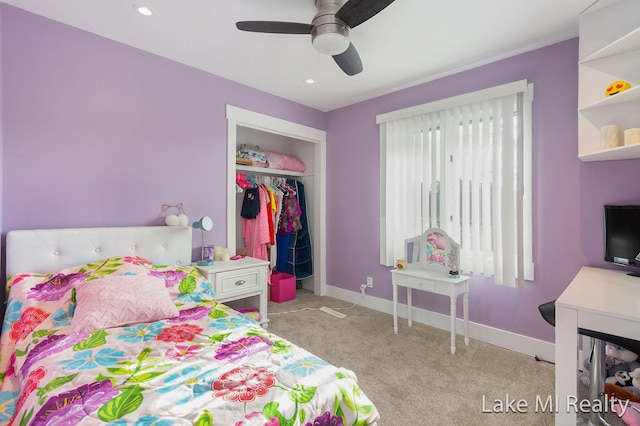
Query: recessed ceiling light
{"points": [[309, 81], [143, 10]]}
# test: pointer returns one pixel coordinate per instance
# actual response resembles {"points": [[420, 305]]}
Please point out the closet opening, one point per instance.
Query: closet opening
{"points": [[306, 254]]}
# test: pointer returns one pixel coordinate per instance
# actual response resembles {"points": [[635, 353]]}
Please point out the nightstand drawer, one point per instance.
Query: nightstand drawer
{"points": [[420, 284], [231, 282]]}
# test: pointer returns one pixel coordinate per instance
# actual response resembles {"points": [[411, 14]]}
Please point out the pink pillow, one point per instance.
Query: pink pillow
{"points": [[118, 300], [280, 161]]}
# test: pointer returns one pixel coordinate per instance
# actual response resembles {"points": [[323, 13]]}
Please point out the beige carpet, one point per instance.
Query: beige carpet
{"points": [[411, 377]]}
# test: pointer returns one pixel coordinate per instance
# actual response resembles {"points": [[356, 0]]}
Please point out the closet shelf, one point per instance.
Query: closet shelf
{"points": [[267, 171]]}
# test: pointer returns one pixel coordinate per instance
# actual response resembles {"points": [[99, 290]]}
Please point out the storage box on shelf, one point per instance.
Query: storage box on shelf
{"points": [[609, 51]]}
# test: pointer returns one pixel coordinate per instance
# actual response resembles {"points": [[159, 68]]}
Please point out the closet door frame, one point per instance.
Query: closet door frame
{"points": [[238, 117]]}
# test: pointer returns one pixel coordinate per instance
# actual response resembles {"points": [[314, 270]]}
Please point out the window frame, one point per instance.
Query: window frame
{"points": [[524, 205]]}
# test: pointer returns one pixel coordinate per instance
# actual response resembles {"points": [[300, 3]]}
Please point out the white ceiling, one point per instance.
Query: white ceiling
{"points": [[409, 42]]}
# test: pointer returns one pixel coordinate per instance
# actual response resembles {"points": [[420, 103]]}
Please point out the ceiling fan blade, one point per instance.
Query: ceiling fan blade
{"points": [[349, 61], [274, 27], [355, 12]]}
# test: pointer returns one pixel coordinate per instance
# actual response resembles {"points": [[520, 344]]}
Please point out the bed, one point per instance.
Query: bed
{"points": [[114, 326]]}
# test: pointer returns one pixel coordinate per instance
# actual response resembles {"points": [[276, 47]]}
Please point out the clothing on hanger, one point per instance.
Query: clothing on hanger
{"points": [[251, 203], [256, 230], [300, 257], [279, 231]]}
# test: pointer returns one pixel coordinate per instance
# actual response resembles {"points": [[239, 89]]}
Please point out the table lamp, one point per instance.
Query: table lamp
{"points": [[204, 224]]}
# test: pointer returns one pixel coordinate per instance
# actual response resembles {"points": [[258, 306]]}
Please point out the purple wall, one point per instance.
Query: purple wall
{"points": [[567, 194], [96, 133]]}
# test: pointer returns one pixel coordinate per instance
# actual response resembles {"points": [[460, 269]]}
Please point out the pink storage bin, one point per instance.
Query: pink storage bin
{"points": [[283, 287]]}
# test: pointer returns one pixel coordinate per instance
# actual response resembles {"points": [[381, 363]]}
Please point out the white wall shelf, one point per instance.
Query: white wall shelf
{"points": [[609, 51], [629, 95], [626, 43], [619, 153]]}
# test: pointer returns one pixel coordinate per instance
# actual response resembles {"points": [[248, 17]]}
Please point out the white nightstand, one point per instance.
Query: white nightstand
{"points": [[240, 279]]}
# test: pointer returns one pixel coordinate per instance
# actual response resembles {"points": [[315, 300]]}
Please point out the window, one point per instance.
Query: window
{"points": [[462, 164]]}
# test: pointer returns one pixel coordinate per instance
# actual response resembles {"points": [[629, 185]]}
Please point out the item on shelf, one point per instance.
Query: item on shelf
{"points": [[610, 136], [244, 161], [179, 219], [401, 263], [617, 87], [254, 154], [208, 250], [632, 136], [278, 160], [221, 253]]}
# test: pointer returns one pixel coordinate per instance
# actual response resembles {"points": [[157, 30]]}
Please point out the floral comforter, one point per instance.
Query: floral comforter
{"points": [[210, 365]]}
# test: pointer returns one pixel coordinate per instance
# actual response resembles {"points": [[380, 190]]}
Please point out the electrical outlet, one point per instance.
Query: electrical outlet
{"points": [[370, 282]]}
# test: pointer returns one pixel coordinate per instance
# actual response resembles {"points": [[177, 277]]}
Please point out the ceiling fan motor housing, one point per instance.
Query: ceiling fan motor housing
{"points": [[329, 28], [330, 35]]}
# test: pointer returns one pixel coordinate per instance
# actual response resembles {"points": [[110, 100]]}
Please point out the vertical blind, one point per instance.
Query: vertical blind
{"points": [[463, 165]]}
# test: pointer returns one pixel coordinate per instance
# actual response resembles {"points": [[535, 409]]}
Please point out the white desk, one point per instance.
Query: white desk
{"points": [[433, 282], [600, 300]]}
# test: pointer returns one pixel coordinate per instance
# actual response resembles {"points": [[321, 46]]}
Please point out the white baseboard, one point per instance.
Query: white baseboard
{"points": [[495, 336]]}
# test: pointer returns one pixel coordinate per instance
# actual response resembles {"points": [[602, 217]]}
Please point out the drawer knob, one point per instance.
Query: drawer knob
{"points": [[240, 282]]}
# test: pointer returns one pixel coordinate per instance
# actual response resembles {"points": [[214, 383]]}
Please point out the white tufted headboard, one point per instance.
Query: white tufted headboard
{"points": [[49, 250]]}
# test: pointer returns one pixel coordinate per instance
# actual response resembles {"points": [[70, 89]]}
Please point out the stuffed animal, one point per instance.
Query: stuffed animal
{"points": [[623, 375], [619, 354], [617, 87], [613, 355], [619, 373], [620, 378], [179, 219], [635, 378]]}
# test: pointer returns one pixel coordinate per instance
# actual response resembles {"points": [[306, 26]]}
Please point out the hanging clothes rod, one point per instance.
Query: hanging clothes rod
{"points": [[249, 181]]}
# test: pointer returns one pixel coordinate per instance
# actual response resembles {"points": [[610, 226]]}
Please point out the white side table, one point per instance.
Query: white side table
{"points": [[433, 282], [240, 279]]}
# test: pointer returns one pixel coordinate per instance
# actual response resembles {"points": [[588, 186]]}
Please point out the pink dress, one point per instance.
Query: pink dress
{"points": [[256, 231]]}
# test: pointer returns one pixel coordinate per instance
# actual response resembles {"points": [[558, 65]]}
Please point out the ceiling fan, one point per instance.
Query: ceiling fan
{"points": [[329, 28]]}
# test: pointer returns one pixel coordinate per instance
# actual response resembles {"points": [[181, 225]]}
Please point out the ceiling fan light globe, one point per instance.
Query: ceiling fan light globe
{"points": [[330, 43]]}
